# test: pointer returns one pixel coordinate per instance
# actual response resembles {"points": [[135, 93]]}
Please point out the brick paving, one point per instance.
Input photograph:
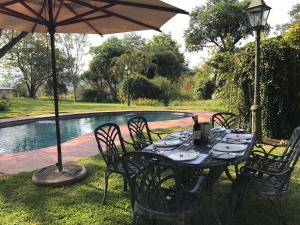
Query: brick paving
{"points": [[78, 148]]}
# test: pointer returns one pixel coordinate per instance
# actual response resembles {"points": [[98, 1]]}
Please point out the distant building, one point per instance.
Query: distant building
{"points": [[7, 92]]}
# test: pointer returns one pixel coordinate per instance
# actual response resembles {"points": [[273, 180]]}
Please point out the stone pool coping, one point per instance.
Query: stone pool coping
{"points": [[6, 122], [80, 147]]}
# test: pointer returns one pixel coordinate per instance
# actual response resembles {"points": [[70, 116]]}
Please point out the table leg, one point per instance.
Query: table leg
{"points": [[213, 176]]}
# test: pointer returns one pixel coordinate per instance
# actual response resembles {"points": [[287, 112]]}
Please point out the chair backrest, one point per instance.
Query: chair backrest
{"points": [[292, 144], [139, 132], [110, 142], [290, 156], [154, 182], [225, 119]]}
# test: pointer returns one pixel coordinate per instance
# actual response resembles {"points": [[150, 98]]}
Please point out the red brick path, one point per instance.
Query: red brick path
{"points": [[80, 147]]}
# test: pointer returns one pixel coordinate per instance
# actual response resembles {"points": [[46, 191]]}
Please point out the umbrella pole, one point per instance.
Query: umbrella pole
{"points": [[55, 92]]}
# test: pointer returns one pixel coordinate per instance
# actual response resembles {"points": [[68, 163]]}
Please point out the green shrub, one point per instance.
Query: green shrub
{"points": [[4, 104], [169, 90], [146, 102], [279, 85], [186, 83], [204, 89], [139, 87], [93, 95]]}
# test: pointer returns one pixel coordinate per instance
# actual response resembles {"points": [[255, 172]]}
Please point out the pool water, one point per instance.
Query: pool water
{"points": [[41, 134]]}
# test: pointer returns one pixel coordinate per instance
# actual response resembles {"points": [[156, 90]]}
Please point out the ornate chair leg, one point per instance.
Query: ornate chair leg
{"points": [[125, 184], [236, 168], [235, 199], [180, 222], [134, 219], [106, 177], [228, 175], [279, 204]]}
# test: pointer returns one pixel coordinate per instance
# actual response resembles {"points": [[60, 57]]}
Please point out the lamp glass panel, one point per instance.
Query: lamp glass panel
{"points": [[251, 18], [256, 18], [265, 17]]}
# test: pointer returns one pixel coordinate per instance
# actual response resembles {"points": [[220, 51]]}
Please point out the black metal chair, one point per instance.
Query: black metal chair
{"points": [[156, 189], [140, 133], [229, 121], [268, 175], [225, 119], [111, 146]]}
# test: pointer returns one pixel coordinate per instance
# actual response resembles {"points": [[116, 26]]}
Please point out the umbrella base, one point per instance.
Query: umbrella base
{"points": [[50, 176]]}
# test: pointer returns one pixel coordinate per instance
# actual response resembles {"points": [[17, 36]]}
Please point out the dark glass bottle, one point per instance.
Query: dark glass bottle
{"points": [[196, 131]]}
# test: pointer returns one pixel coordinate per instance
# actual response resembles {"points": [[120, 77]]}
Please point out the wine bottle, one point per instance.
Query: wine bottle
{"points": [[196, 131]]}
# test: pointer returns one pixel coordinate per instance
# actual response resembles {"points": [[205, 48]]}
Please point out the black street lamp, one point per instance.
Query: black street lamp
{"points": [[258, 13], [127, 78]]}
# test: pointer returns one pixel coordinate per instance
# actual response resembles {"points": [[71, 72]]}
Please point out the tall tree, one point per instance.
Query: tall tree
{"points": [[31, 57], [8, 40], [102, 63], [75, 47], [134, 41], [165, 42], [165, 57], [295, 13], [220, 23]]}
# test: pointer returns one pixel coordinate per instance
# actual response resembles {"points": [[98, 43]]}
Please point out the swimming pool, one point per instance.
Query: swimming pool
{"points": [[41, 134]]}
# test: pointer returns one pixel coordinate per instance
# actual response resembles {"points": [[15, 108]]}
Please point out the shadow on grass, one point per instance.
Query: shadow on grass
{"points": [[21, 202]]}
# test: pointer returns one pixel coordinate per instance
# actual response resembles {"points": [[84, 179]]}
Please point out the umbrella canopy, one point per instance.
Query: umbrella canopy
{"points": [[86, 16], [82, 16]]}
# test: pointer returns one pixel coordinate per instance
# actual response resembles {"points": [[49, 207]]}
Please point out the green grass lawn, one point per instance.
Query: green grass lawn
{"points": [[23, 203], [31, 107]]}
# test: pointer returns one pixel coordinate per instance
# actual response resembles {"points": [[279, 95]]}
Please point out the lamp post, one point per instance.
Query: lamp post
{"points": [[127, 76], [258, 13]]}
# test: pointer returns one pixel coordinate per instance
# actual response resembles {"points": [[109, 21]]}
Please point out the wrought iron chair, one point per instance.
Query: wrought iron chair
{"points": [[268, 175], [227, 120], [156, 189], [140, 132], [108, 136]]}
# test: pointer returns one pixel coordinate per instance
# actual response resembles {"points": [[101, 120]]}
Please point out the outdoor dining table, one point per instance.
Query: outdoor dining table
{"points": [[205, 159]]}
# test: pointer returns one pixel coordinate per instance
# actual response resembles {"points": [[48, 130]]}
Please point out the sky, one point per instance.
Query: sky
{"points": [[178, 24]]}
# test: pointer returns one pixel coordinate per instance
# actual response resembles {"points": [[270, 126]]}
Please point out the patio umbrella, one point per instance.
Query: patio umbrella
{"points": [[81, 16]]}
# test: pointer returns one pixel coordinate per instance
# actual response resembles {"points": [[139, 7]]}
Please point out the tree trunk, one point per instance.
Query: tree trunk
{"points": [[32, 92], [75, 94], [11, 44]]}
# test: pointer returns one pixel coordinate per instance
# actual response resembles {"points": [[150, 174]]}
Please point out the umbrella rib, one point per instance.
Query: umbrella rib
{"points": [[10, 3], [78, 16], [90, 25], [146, 6], [120, 16], [31, 10], [132, 20], [83, 20], [14, 13], [58, 11], [41, 11]]}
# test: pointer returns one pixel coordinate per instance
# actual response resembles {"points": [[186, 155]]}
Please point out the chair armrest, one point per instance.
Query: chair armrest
{"points": [[159, 133], [257, 163], [136, 144], [273, 147], [198, 187], [272, 173], [127, 142]]}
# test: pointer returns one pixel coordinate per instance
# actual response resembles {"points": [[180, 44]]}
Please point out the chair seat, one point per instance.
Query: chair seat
{"points": [[116, 166], [170, 213], [263, 185]]}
